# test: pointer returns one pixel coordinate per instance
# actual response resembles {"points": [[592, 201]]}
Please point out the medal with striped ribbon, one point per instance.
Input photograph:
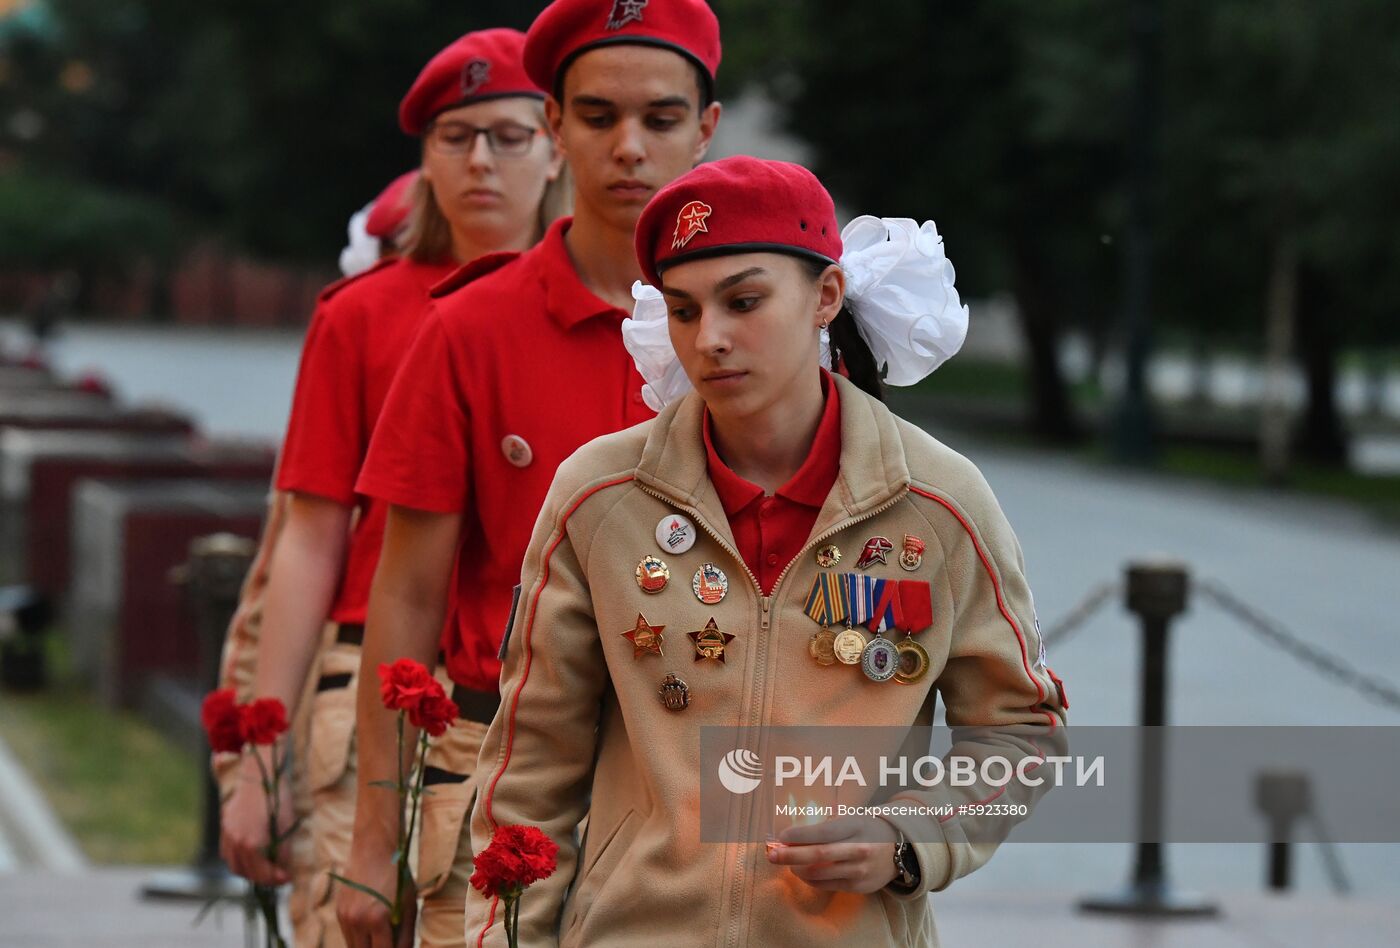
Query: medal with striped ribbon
{"points": [[826, 605], [860, 603]]}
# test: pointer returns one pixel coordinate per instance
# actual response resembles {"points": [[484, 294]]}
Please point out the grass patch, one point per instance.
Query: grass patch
{"points": [[125, 792]]}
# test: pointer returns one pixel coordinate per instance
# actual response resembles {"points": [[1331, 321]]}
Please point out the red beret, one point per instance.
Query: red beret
{"points": [[481, 65], [391, 208], [737, 205], [569, 28]]}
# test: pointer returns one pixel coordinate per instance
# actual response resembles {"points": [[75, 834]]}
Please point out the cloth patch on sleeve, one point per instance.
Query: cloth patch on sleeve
{"points": [[510, 622]]}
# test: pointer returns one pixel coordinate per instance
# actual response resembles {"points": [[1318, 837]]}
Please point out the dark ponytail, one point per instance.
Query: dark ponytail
{"points": [[849, 351]]}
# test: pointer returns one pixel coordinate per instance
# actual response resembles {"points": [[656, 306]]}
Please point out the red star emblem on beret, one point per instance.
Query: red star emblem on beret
{"points": [[691, 221], [475, 74], [626, 11]]}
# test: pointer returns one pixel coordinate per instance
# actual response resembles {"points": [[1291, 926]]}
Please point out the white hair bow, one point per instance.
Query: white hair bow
{"points": [[362, 252], [900, 286]]}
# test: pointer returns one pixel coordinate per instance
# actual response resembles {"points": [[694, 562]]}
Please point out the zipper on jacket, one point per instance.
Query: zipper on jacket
{"points": [[724, 545], [843, 525], [766, 604]]}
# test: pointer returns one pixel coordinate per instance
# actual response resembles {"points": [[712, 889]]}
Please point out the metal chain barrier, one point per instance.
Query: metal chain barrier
{"points": [[1075, 619], [1329, 665]]}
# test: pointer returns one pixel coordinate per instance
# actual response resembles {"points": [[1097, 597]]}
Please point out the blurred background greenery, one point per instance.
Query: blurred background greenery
{"points": [[132, 130]]}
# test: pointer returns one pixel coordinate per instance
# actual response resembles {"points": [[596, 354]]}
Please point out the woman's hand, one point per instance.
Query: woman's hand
{"points": [[850, 854], [243, 837], [364, 920]]}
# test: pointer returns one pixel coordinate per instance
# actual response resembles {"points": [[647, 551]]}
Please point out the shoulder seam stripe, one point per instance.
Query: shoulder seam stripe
{"points": [[996, 587], [525, 674]]}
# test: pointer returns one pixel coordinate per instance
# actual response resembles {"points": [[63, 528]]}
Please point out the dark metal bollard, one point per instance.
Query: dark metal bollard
{"points": [[25, 616], [1158, 591], [213, 577], [1283, 796]]}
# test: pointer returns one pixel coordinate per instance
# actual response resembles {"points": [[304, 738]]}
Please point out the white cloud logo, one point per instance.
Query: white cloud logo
{"points": [[740, 771]]}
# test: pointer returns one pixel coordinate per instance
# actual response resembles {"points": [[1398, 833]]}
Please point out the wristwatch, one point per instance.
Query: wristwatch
{"points": [[906, 864]]}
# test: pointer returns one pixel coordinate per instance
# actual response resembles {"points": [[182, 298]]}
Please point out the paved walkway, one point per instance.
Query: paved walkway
{"points": [[44, 910], [40, 909], [30, 833], [1048, 919]]}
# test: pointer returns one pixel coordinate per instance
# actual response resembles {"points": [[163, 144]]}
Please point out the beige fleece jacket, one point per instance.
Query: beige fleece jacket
{"points": [[582, 730]]}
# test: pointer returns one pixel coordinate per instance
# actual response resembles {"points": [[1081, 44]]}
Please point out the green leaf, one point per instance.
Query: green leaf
{"points": [[362, 888]]}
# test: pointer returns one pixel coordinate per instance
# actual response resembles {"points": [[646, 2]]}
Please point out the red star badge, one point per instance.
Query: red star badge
{"points": [[710, 642], [689, 222], [644, 637]]}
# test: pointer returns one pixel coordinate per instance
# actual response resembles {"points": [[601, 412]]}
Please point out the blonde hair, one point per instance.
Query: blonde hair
{"points": [[427, 236]]}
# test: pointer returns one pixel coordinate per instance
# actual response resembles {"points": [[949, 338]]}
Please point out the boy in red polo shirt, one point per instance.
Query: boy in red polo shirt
{"points": [[511, 374]]}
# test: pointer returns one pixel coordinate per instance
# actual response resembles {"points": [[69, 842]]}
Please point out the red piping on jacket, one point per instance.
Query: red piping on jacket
{"points": [[525, 673], [1001, 602]]}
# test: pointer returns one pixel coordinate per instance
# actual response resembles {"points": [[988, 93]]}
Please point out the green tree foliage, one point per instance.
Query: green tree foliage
{"points": [[267, 122], [1007, 124], [999, 121], [52, 223]]}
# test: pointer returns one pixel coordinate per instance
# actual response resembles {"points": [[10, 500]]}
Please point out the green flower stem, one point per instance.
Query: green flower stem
{"points": [[396, 913], [266, 896], [511, 916]]}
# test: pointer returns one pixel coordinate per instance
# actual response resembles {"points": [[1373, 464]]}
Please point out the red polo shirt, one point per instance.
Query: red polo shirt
{"points": [[360, 332], [509, 375], [770, 531]]}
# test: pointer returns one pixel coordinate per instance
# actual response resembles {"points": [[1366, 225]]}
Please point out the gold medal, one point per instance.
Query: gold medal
{"points": [[645, 637], [710, 642], [848, 646], [821, 647], [826, 605], [653, 574], [828, 556], [913, 662], [674, 693]]}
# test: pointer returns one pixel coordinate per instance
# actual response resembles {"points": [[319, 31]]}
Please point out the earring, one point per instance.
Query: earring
{"points": [[825, 336]]}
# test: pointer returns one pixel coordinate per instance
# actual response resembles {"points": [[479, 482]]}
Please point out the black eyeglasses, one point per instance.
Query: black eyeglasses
{"points": [[459, 138]]}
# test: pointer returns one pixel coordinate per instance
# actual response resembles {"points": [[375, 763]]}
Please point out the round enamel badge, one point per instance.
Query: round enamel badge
{"points": [[653, 574], [675, 534], [709, 584], [517, 450]]}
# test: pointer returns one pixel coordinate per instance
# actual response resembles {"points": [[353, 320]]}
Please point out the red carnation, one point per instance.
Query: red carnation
{"points": [[223, 721], [404, 684], [435, 712], [264, 720], [517, 857]]}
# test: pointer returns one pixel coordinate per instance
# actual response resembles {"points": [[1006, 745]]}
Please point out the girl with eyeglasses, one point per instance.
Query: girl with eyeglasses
{"points": [[487, 184]]}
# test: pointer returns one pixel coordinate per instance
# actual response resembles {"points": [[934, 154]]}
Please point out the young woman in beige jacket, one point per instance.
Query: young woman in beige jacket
{"points": [[694, 571]]}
